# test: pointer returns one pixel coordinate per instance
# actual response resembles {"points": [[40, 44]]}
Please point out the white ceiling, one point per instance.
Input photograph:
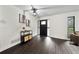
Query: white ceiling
{"points": [[46, 10]]}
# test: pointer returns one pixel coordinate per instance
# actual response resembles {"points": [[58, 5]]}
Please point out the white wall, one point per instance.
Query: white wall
{"points": [[58, 24], [10, 26], [33, 22]]}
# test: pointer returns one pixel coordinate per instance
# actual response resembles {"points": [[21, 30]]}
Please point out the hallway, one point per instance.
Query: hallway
{"points": [[43, 45], [39, 29]]}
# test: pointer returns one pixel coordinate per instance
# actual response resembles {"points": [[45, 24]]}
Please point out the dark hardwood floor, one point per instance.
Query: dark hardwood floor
{"points": [[43, 45]]}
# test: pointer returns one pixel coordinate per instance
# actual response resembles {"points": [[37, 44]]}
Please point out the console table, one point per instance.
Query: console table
{"points": [[25, 35]]}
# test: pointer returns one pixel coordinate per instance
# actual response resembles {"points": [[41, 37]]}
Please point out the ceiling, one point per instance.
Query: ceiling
{"points": [[46, 10]]}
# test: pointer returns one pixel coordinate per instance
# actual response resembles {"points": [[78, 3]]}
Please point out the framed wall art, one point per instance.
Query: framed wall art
{"points": [[27, 22], [21, 18]]}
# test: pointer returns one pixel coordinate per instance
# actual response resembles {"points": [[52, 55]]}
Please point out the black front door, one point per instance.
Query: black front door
{"points": [[43, 27]]}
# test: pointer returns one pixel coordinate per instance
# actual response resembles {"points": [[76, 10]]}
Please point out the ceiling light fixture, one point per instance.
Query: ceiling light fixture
{"points": [[34, 14]]}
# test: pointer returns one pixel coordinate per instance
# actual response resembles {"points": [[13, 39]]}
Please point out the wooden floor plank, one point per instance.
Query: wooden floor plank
{"points": [[44, 45]]}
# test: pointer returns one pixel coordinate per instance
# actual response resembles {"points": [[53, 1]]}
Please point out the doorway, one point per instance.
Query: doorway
{"points": [[43, 27]]}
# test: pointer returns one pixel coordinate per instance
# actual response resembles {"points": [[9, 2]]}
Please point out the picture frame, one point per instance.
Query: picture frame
{"points": [[21, 18], [27, 22]]}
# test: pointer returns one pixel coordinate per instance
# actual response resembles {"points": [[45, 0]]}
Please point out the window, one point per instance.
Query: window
{"points": [[71, 25], [43, 22]]}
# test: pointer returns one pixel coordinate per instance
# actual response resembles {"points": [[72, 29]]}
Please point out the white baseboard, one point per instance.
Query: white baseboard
{"points": [[35, 35], [60, 38], [9, 46]]}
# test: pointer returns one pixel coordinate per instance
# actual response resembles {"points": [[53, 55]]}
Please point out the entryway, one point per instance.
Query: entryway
{"points": [[43, 28]]}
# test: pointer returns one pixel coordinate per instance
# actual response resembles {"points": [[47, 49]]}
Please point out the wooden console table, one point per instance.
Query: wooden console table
{"points": [[25, 35]]}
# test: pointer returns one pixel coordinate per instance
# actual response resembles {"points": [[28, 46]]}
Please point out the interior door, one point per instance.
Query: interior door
{"points": [[43, 27]]}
